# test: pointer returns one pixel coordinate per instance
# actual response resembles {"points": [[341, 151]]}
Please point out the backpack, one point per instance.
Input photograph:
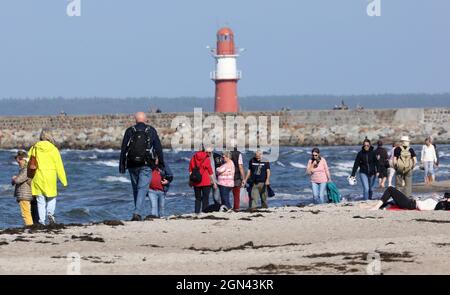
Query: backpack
{"points": [[139, 150], [334, 196], [196, 176], [405, 162]]}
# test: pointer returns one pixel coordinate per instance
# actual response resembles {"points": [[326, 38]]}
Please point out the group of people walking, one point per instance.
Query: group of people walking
{"points": [[210, 173], [36, 182], [399, 162]]}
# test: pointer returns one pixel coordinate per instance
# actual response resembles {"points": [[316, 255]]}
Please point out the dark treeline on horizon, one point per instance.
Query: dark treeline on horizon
{"points": [[101, 105]]}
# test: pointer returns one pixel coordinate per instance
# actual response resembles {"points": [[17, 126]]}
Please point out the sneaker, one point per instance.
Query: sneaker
{"points": [[136, 217], [51, 219]]}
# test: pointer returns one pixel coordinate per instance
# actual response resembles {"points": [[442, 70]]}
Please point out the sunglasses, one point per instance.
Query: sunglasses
{"points": [[315, 155]]}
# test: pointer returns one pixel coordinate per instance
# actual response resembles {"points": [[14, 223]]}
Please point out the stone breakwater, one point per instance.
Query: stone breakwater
{"points": [[296, 128]]}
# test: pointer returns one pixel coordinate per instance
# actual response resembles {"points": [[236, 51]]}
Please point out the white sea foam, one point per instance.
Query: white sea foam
{"points": [[110, 163], [186, 159], [298, 165], [341, 174], [92, 157], [115, 179], [343, 166], [5, 187], [104, 151], [297, 151], [280, 164]]}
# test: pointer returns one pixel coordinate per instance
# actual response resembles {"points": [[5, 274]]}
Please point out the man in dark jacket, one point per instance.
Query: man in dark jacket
{"points": [[140, 147], [367, 162]]}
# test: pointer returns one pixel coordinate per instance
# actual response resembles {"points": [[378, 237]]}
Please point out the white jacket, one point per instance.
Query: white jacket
{"points": [[428, 154]]}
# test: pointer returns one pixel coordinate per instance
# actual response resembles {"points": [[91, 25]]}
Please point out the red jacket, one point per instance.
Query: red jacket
{"points": [[201, 160]]}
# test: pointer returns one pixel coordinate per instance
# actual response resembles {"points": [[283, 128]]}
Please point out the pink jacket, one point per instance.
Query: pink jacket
{"points": [[319, 174], [225, 174]]}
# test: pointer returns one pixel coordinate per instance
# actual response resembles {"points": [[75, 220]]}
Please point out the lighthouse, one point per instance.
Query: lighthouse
{"points": [[226, 75]]}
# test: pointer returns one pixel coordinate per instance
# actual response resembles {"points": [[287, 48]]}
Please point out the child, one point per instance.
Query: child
{"points": [[159, 185], [22, 191]]}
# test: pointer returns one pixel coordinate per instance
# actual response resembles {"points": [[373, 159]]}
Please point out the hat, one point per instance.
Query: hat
{"points": [[405, 138]]}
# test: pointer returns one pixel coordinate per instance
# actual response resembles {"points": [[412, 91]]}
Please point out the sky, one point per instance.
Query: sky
{"points": [[135, 48]]}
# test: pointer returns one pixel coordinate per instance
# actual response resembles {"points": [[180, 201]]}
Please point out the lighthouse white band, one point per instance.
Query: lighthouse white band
{"points": [[226, 69]]}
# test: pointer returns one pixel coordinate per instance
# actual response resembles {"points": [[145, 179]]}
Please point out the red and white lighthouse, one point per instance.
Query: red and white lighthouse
{"points": [[226, 75]]}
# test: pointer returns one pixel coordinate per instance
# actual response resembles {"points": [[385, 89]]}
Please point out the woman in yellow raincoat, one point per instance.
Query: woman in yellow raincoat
{"points": [[44, 183]]}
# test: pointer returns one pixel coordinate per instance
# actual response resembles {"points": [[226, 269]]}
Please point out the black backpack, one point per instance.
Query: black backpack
{"points": [[196, 176], [139, 150]]}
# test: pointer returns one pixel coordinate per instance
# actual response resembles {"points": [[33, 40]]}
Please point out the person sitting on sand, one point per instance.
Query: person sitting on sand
{"points": [[410, 203], [22, 190]]}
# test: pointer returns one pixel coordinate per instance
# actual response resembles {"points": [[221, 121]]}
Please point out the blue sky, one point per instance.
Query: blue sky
{"points": [[121, 48]]}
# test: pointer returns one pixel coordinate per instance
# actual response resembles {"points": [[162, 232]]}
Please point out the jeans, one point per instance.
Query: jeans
{"points": [[368, 183], [157, 199], [140, 180], [201, 197], [46, 207], [429, 168], [225, 195], [319, 192]]}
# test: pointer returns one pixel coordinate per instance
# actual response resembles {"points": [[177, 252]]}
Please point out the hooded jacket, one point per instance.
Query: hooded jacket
{"points": [[201, 160], [50, 167], [366, 161]]}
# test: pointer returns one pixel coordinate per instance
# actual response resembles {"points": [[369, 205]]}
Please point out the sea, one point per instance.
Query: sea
{"points": [[97, 191]]}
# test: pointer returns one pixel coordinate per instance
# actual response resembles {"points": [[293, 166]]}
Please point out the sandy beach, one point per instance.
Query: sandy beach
{"points": [[325, 239]]}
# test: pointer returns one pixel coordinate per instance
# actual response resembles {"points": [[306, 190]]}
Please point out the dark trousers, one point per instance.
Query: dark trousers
{"points": [[34, 211], [201, 198], [399, 198]]}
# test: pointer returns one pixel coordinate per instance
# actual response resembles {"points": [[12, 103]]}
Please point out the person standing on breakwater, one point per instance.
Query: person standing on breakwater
{"points": [[201, 177], [320, 174], [366, 161], [258, 177], [404, 162], [140, 147], [239, 174], [429, 161], [22, 189], [225, 177], [383, 163], [159, 185], [391, 170], [49, 167]]}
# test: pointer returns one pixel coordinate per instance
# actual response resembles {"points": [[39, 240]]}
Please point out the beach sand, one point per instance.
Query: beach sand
{"points": [[325, 239]]}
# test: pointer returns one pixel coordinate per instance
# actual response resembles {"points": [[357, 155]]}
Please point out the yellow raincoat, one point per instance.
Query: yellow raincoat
{"points": [[50, 166]]}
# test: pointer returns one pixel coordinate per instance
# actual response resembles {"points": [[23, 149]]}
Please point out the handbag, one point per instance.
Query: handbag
{"points": [[32, 164]]}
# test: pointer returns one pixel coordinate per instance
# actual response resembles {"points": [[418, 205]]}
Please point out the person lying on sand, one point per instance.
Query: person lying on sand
{"points": [[436, 202]]}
